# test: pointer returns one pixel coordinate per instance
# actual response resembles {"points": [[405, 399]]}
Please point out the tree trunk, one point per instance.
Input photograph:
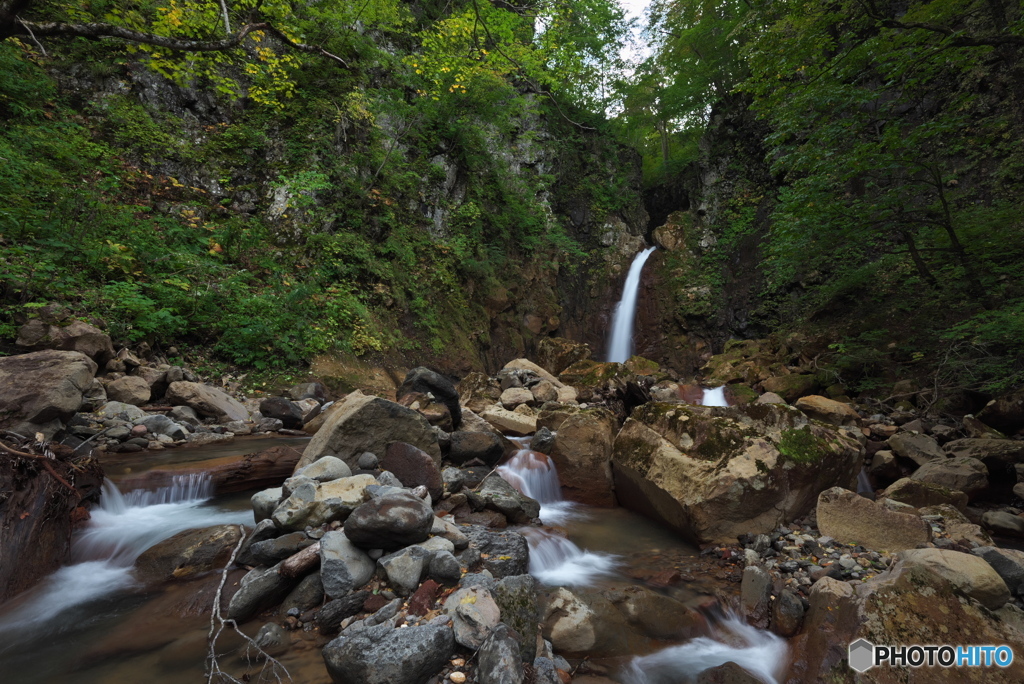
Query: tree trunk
{"points": [[253, 471]]}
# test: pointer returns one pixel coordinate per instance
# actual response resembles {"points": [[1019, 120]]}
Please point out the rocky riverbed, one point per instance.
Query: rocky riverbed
{"points": [[391, 546]]}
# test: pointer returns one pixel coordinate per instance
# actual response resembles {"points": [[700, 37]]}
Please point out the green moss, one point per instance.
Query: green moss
{"points": [[802, 446]]}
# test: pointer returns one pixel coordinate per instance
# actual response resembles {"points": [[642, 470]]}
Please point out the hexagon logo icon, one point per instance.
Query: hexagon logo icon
{"points": [[861, 655]]}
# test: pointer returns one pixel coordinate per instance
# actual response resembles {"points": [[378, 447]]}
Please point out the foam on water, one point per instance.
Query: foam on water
{"points": [[760, 653], [121, 528]]}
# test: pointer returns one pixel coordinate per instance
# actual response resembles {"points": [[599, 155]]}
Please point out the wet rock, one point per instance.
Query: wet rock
{"points": [[851, 519], [405, 568], [498, 495], [918, 448], [130, 389], [655, 615], [580, 622], [343, 566], [260, 589], [820, 408], [545, 672], [382, 654], [273, 639], [582, 453], [390, 522], [285, 410], [959, 473], [755, 596], [162, 425], [969, 575], [425, 381], [445, 568], [42, 390], [787, 614], [207, 401], [543, 441], [308, 390], [791, 387], [271, 551], [414, 467], [499, 661], [453, 479], [716, 473], [1003, 523], [474, 614], [363, 423], [449, 531], [918, 494], [185, 415], [188, 554], [727, 673]]}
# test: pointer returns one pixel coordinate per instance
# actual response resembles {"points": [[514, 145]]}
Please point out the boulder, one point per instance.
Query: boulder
{"points": [[960, 473], [436, 412], [555, 354], [488, 447], [405, 568], [366, 423], [920, 494], [498, 495], [264, 502], [389, 522], [260, 589], [382, 654], [851, 519], [580, 622], [425, 381], [42, 390], [312, 503], [1008, 564], [77, 336], [343, 566], [748, 361], [594, 380], [188, 554], [770, 398], [329, 617], [503, 553], [716, 473], [791, 387], [474, 614], [325, 469], [582, 453], [516, 597], [918, 448], [999, 456], [515, 396], [499, 661], [207, 401], [270, 551], [162, 425], [285, 410], [510, 422], [131, 389], [1003, 523], [969, 575], [478, 392], [307, 390], [414, 467], [1005, 413], [820, 408]]}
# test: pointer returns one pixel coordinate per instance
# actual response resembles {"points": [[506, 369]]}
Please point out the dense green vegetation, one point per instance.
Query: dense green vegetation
{"points": [[151, 214], [890, 187]]}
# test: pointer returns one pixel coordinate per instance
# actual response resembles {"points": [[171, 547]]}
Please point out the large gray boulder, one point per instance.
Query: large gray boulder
{"points": [[960, 473], [131, 389], [715, 473], [206, 401], [343, 566], [382, 654], [42, 390], [364, 423], [918, 448], [77, 336], [392, 521]]}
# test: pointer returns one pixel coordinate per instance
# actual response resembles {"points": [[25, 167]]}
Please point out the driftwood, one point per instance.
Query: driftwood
{"points": [[253, 471], [300, 563]]}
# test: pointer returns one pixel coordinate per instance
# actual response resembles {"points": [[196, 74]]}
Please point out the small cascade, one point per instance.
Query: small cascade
{"points": [[759, 652], [121, 528], [714, 396], [553, 559], [620, 342]]}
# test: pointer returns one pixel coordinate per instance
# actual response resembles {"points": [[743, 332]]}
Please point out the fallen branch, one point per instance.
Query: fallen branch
{"points": [[300, 563], [217, 624], [46, 464]]}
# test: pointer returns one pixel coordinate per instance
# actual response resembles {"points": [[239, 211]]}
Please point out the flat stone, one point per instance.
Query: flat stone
{"points": [[918, 448], [852, 519]]}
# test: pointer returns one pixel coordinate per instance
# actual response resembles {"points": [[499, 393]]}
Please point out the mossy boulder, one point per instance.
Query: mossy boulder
{"points": [[713, 473], [555, 354], [749, 361], [791, 387], [596, 379]]}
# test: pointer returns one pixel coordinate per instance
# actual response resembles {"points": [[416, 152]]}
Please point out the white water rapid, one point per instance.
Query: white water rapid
{"points": [[620, 342], [714, 397], [554, 559], [759, 652], [121, 528]]}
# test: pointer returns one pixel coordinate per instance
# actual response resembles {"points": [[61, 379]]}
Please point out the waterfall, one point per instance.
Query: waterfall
{"points": [[620, 343], [121, 528], [553, 559], [714, 397], [760, 653]]}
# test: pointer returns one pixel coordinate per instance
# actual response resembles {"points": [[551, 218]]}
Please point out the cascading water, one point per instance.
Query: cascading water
{"points": [[553, 559], [714, 397], [760, 653], [620, 342], [121, 528]]}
